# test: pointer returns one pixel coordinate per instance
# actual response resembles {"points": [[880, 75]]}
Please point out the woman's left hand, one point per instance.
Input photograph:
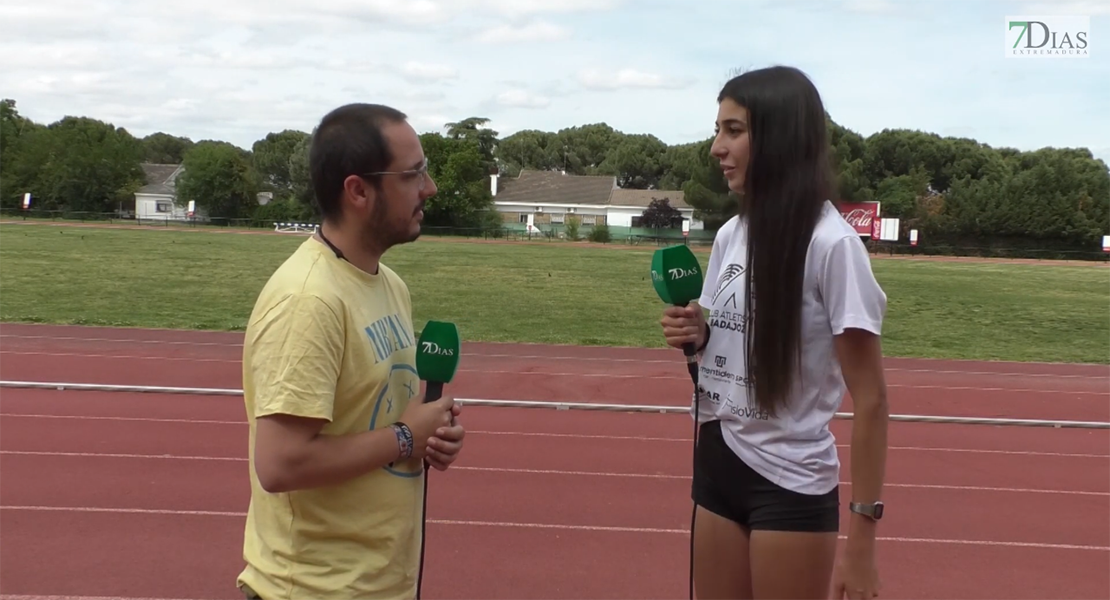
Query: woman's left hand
{"points": [[856, 578]]}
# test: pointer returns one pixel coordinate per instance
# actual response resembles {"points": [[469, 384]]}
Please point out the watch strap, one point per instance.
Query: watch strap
{"points": [[873, 510]]}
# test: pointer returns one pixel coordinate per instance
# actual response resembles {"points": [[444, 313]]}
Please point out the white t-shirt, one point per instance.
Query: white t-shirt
{"points": [[796, 450]]}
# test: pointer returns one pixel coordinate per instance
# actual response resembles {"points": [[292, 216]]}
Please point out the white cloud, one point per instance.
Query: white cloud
{"points": [[522, 99], [1080, 8], [540, 31], [256, 13], [871, 6], [519, 8], [421, 71], [597, 79], [213, 69], [65, 55], [423, 95], [429, 122]]}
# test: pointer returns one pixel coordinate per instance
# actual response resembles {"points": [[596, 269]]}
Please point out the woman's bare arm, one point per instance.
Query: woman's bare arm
{"points": [[861, 361]]}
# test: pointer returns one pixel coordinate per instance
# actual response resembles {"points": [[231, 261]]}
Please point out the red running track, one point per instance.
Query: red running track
{"points": [[142, 495]]}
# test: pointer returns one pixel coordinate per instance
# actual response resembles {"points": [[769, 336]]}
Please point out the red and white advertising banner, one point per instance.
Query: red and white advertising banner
{"points": [[863, 216]]}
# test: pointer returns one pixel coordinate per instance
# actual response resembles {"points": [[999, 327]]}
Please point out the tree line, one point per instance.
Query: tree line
{"points": [[951, 189], [82, 164]]}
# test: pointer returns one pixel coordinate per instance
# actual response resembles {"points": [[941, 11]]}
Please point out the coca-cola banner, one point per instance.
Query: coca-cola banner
{"points": [[861, 215]]}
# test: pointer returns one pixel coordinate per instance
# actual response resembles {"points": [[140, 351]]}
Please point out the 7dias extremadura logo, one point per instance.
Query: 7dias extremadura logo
{"points": [[1047, 37]]}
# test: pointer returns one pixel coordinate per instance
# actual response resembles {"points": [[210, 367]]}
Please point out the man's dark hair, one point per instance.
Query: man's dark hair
{"points": [[348, 141], [787, 181]]}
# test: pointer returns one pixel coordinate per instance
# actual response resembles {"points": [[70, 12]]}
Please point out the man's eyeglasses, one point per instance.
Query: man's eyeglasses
{"points": [[422, 173]]}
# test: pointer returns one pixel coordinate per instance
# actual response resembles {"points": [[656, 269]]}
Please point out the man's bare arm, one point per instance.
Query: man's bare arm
{"points": [[291, 454]]}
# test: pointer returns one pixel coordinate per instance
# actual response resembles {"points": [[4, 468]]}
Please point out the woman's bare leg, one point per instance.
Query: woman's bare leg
{"points": [[789, 564], [721, 570]]}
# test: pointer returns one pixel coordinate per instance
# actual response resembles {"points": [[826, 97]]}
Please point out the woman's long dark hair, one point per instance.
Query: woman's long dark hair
{"points": [[787, 180]]}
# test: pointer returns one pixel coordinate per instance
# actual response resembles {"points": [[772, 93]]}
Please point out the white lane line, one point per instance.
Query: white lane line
{"points": [[533, 434], [561, 472], [562, 526]]}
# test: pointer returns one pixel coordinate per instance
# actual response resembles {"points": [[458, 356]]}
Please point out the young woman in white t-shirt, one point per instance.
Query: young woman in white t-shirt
{"points": [[770, 380]]}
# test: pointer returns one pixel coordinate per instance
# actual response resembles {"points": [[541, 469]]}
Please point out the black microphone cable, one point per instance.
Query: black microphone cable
{"points": [[692, 366], [423, 530], [433, 392]]}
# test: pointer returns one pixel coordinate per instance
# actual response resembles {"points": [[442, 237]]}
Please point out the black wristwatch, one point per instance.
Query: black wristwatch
{"points": [[874, 510]]}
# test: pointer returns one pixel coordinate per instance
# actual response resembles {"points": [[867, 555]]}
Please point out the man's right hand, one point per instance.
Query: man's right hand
{"points": [[683, 325], [424, 419]]}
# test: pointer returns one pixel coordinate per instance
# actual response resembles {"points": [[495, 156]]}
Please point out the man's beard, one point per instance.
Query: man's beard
{"points": [[381, 234]]}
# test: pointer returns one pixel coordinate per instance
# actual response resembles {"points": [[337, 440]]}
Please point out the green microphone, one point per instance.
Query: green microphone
{"points": [[677, 278], [437, 357]]}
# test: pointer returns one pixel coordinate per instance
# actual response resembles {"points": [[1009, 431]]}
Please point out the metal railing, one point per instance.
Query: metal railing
{"points": [[590, 406]]}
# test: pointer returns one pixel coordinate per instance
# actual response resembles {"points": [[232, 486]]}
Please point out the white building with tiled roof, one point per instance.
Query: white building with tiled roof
{"points": [[157, 199], [535, 199]]}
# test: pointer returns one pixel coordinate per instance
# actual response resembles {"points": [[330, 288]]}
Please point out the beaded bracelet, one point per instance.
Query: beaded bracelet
{"points": [[404, 439]]}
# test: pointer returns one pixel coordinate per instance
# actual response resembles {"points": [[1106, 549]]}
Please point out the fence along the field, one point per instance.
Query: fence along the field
{"points": [[589, 406], [1012, 249]]}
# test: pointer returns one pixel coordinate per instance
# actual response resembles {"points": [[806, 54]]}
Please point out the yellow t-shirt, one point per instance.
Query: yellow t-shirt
{"points": [[329, 340]]}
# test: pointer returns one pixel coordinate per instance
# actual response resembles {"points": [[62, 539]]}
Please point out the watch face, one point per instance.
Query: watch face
{"points": [[878, 510]]}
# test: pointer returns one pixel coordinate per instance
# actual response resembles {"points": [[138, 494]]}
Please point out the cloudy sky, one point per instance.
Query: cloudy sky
{"points": [[237, 69]]}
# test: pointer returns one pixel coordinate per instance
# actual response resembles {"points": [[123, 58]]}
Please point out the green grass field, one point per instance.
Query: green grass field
{"points": [[555, 293]]}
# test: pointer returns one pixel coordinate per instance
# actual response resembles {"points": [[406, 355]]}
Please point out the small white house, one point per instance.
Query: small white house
{"points": [[155, 201], [536, 198]]}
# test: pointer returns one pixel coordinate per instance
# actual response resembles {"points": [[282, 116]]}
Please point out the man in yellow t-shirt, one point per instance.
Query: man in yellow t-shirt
{"points": [[339, 432]]}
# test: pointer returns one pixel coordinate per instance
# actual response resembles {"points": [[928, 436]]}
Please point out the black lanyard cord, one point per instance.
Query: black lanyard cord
{"points": [[338, 253]]}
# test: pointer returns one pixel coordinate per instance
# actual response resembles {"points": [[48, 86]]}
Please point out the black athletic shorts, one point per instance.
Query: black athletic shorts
{"points": [[727, 486]]}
